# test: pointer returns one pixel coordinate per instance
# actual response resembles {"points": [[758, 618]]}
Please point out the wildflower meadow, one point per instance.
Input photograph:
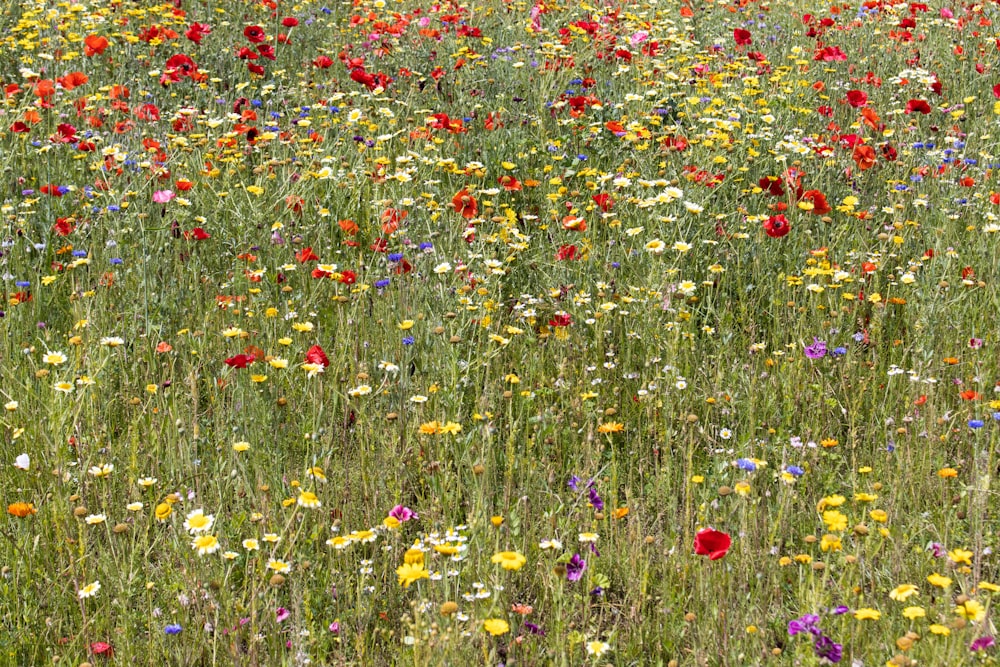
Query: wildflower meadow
{"points": [[499, 332]]}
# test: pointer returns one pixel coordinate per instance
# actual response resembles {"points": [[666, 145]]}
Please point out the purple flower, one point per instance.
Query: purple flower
{"points": [[817, 350], [282, 614], [533, 629], [402, 514], [335, 627], [574, 483], [575, 568], [842, 609], [826, 648], [938, 550], [175, 629], [802, 624], [595, 499], [982, 643]]}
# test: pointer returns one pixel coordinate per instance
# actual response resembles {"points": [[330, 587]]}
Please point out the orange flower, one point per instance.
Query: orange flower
{"points": [[465, 204], [94, 45], [864, 156], [21, 510], [970, 395], [163, 347], [818, 199], [348, 227], [574, 223], [509, 183]]}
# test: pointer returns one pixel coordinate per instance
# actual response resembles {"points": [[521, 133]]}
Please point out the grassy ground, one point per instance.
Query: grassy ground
{"points": [[405, 332]]}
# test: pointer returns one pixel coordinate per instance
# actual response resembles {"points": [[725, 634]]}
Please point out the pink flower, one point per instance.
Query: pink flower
{"points": [[163, 196], [402, 514]]}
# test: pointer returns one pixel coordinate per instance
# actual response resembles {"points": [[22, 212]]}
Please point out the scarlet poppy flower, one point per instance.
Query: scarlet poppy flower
{"points": [[857, 98], [742, 37], [102, 648], [509, 183], [348, 277], [240, 360], [63, 226], [970, 395], [864, 157], [306, 255], [465, 204], [777, 226], [566, 252], [163, 347], [604, 201], [818, 199], [561, 320], [712, 543], [255, 34], [771, 185], [917, 106], [348, 227], [574, 223], [322, 62], [197, 31], [94, 45], [198, 234], [289, 22], [316, 355]]}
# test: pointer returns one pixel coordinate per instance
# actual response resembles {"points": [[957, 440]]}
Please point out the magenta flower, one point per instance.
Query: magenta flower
{"points": [[402, 514], [163, 196]]}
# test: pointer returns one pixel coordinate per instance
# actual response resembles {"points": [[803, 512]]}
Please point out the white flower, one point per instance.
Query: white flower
{"points": [[95, 519], [199, 522], [54, 358], [23, 462], [112, 341], [597, 648], [90, 590]]}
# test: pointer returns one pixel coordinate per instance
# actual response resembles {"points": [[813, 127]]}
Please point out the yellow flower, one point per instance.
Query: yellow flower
{"points": [[611, 427], [241, 446], [939, 630], [496, 626], [879, 515], [971, 610], [509, 560], [405, 325], [410, 572], [939, 581], [308, 500], [830, 543], [865, 497], [987, 586], [205, 544], [945, 473], [742, 489], [430, 428], [497, 521], [413, 556], [834, 520], [163, 510], [914, 613], [390, 522], [830, 501], [866, 614], [903, 592], [959, 556]]}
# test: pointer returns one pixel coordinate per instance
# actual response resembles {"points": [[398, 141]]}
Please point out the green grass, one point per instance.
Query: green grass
{"points": [[670, 380]]}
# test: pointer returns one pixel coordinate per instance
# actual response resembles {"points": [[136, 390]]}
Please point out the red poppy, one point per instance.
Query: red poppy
{"points": [[94, 45], [566, 252], [509, 183], [742, 37], [306, 255], [255, 34], [316, 355], [240, 360], [857, 98], [197, 32], [465, 204], [864, 157], [970, 395], [63, 226], [917, 106], [818, 199], [712, 543], [561, 320], [198, 234], [777, 226], [604, 201], [102, 648], [289, 22], [574, 223]]}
